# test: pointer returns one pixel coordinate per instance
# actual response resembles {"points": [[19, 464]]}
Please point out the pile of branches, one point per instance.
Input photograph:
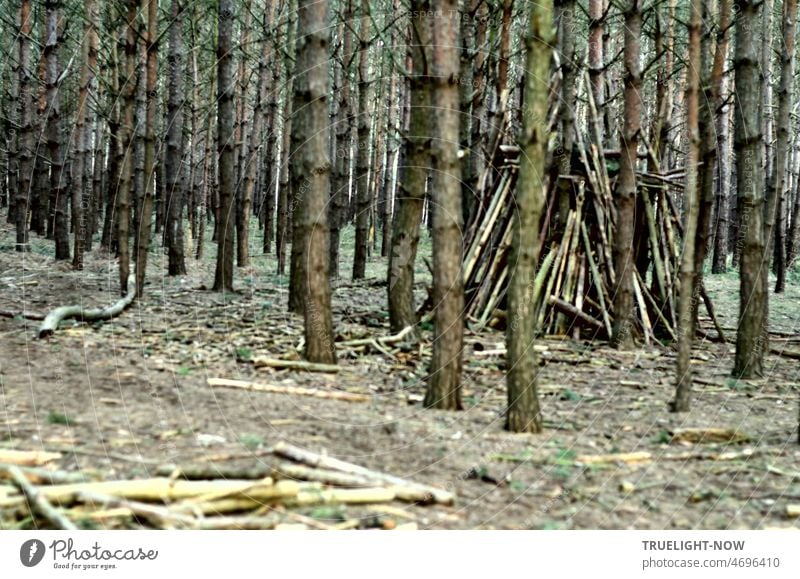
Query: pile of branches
{"points": [[208, 496], [573, 288]]}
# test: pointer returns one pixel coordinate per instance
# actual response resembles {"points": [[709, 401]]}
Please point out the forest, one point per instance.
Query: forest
{"points": [[399, 264]]}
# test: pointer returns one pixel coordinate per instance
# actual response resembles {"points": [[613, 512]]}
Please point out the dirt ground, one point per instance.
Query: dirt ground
{"points": [[122, 397]]}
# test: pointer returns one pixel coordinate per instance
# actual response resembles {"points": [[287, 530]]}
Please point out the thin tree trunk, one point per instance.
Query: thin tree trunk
{"points": [[626, 184], [444, 382], [26, 146], [223, 277], [748, 147], [687, 280], [417, 161], [173, 199], [523, 413], [310, 169], [775, 193], [58, 178], [363, 147]]}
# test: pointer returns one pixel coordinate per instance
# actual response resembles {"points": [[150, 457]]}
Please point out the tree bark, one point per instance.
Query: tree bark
{"points": [[310, 169], [363, 147], [174, 197], [686, 297], [777, 183], [223, 279], [417, 161], [26, 146], [748, 147], [444, 381], [523, 413], [625, 198]]}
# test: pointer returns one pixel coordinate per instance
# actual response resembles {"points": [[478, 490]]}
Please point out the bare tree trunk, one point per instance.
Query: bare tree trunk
{"points": [[344, 121], [597, 66], [792, 229], [766, 88], [565, 10], [363, 148], [748, 147], [244, 201], [523, 413], [310, 168], [626, 184], [83, 131], [417, 161], [173, 200], [775, 194], [251, 166], [444, 382], [686, 296], [720, 258], [223, 278], [26, 146], [58, 177]]}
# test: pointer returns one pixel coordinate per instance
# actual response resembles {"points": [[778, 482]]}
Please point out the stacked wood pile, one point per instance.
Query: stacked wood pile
{"points": [[574, 283], [275, 494]]}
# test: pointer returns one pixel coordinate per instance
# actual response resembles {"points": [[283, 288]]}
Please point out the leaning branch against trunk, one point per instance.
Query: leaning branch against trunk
{"points": [[52, 320]]}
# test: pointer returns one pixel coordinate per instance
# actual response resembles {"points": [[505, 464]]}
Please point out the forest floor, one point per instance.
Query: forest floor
{"points": [[121, 397]]}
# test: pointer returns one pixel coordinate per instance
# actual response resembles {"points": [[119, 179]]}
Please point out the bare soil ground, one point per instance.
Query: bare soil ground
{"points": [[121, 397]]}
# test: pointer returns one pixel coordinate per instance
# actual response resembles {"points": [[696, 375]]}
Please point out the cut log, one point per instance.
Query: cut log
{"points": [[55, 317]]}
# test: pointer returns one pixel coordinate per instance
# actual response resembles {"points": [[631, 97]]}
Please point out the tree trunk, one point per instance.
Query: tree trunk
{"points": [[523, 413], [26, 146], [223, 278], [344, 121], [597, 68], [625, 200], [363, 147], [566, 39], [83, 131], [777, 183], [146, 211], [174, 153], [58, 178], [444, 382], [310, 170], [244, 201], [417, 161], [686, 297], [748, 147]]}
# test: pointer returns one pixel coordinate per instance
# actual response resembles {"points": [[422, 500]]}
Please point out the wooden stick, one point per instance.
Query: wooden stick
{"points": [[293, 390], [295, 365], [38, 475], [79, 312], [579, 316], [393, 339], [317, 460], [598, 282], [165, 490], [27, 457], [26, 315], [37, 502]]}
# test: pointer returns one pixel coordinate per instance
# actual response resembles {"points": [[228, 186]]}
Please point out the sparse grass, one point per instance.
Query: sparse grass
{"points": [[54, 417]]}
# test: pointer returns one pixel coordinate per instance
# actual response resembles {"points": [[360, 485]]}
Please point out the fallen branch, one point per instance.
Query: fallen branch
{"points": [[579, 316], [37, 475], [37, 502], [432, 494], [27, 457], [52, 320], [393, 339], [785, 353], [262, 362], [294, 390], [26, 315]]}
